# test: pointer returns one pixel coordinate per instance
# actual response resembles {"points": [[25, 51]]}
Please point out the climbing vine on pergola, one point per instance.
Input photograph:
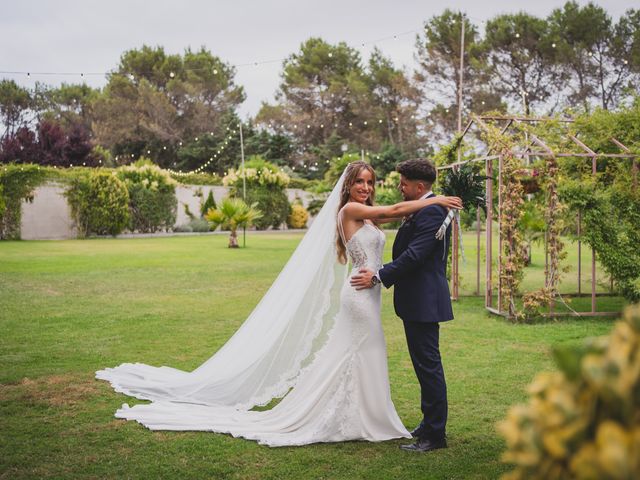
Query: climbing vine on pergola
{"points": [[511, 142]]}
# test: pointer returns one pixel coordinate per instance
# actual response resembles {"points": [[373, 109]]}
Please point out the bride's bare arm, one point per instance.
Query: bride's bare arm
{"points": [[386, 213]]}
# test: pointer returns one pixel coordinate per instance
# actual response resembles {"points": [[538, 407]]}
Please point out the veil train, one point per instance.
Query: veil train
{"points": [[281, 336]]}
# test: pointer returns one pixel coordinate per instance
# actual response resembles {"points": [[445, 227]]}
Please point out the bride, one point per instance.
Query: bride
{"points": [[313, 341]]}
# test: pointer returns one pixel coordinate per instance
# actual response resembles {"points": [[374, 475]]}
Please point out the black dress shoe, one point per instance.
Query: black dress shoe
{"points": [[424, 445]]}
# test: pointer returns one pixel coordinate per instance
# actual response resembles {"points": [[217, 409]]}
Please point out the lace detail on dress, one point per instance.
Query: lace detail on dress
{"points": [[367, 239]]}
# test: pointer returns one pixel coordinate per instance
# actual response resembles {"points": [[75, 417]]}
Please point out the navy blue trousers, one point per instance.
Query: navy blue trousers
{"points": [[423, 340]]}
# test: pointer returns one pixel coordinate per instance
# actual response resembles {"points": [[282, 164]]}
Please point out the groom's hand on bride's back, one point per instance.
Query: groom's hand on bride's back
{"points": [[362, 279]]}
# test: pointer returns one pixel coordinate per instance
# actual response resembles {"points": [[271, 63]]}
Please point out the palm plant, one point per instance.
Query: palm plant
{"points": [[469, 186], [232, 214]]}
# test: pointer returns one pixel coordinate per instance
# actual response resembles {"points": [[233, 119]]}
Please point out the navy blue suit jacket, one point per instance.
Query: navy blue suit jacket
{"points": [[418, 270]]}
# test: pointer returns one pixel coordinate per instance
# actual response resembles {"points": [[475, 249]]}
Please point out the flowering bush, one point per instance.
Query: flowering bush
{"points": [[298, 216], [153, 204], [263, 176], [265, 187]]}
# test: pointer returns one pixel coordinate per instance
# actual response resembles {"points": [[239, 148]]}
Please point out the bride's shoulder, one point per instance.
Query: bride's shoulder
{"points": [[351, 208]]}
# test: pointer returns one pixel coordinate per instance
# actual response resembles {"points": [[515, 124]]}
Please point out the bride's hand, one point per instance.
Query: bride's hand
{"points": [[450, 202]]}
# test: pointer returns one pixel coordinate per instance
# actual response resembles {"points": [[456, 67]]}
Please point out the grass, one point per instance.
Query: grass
{"points": [[69, 308]]}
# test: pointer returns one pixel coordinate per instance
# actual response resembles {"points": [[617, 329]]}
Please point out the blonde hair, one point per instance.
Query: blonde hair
{"points": [[351, 175]]}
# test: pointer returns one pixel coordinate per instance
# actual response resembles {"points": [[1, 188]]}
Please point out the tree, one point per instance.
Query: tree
{"points": [[15, 102], [155, 104], [323, 92], [234, 214], [438, 56], [595, 52], [521, 59], [395, 101], [68, 104]]}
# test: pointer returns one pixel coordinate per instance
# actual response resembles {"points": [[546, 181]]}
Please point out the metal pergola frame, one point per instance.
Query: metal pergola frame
{"points": [[542, 151]]}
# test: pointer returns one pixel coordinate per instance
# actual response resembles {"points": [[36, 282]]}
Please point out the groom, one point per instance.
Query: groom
{"points": [[421, 298]]}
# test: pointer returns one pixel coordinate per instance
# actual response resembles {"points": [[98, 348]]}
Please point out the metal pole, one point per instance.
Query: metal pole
{"points": [[455, 244], [244, 184], [461, 78]]}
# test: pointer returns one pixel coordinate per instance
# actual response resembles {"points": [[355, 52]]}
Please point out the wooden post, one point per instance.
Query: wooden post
{"points": [[500, 233], [579, 252], [478, 251], [489, 232], [593, 253]]}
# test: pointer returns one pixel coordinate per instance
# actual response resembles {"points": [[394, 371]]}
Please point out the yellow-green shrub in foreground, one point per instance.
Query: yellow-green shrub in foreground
{"points": [[582, 422]]}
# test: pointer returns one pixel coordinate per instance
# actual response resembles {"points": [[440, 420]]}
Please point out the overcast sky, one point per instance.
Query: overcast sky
{"points": [[89, 36]]}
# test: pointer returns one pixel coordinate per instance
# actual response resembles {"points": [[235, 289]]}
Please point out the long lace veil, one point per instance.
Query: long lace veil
{"points": [[263, 359]]}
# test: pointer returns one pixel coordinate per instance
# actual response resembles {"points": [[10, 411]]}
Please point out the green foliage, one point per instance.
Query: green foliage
{"points": [[257, 172], [611, 217], [197, 179], [338, 164], [194, 225], [209, 203], [385, 162], [152, 200], [582, 422], [99, 203], [265, 185], [15, 101], [448, 154], [466, 183], [103, 156], [17, 183], [271, 200]]}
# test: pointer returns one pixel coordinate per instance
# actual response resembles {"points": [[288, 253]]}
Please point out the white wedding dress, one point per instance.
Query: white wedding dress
{"points": [[327, 359]]}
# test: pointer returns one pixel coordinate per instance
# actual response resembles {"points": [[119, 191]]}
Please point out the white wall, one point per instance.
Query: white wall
{"points": [[48, 217]]}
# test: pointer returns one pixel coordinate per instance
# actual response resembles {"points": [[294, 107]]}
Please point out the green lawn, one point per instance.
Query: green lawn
{"points": [[69, 308]]}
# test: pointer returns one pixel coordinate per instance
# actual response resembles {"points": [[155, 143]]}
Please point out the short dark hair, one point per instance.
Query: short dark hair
{"points": [[418, 169]]}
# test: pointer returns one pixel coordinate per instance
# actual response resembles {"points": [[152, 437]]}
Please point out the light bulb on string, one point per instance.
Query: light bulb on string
{"points": [[171, 74]]}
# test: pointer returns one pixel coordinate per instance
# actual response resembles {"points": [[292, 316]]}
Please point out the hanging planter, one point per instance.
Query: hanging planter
{"points": [[530, 180]]}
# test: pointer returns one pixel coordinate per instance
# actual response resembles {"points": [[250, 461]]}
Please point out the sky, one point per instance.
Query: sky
{"points": [[74, 36]]}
